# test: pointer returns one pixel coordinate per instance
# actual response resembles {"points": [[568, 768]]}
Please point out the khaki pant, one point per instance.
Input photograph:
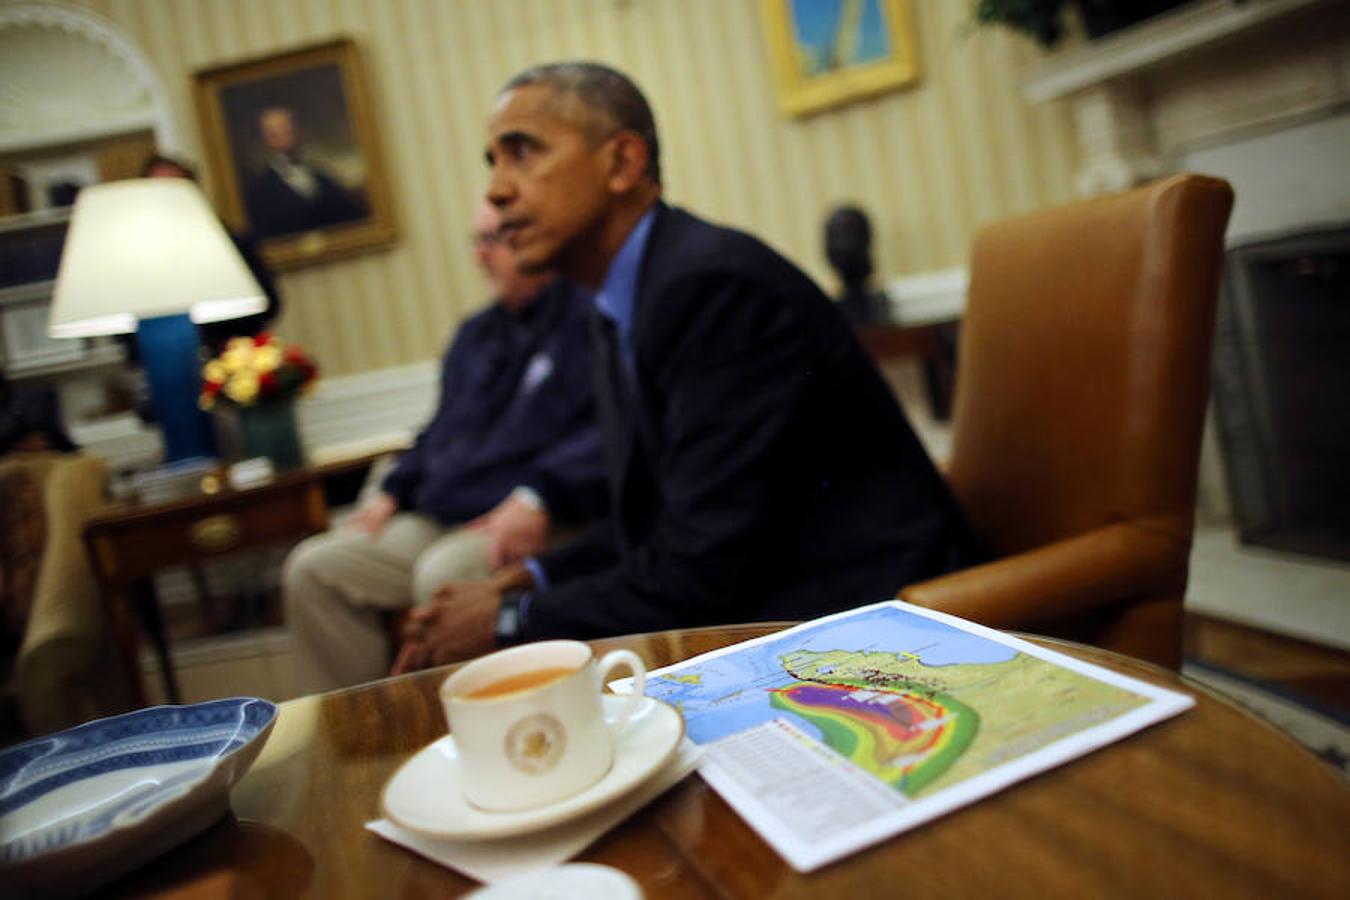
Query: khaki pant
{"points": [[338, 584]]}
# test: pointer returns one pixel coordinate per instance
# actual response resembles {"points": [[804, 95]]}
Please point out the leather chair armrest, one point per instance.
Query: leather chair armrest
{"points": [[1094, 570]]}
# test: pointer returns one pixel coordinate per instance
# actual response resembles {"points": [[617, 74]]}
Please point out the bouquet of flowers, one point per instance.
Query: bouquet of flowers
{"points": [[254, 370]]}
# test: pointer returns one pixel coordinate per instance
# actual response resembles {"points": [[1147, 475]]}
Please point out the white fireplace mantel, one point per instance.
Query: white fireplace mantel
{"points": [[1201, 74]]}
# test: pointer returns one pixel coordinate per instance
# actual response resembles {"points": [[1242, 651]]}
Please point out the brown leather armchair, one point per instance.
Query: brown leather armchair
{"points": [[1081, 390]]}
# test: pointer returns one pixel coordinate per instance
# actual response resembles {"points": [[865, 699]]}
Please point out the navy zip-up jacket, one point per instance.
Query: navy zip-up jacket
{"points": [[516, 409]]}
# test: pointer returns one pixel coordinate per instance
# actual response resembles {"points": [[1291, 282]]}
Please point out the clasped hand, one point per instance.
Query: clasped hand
{"points": [[459, 624], [514, 529]]}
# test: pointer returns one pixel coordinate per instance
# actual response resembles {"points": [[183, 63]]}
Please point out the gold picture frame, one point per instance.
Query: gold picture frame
{"points": [[294, 154], [828, 52]]}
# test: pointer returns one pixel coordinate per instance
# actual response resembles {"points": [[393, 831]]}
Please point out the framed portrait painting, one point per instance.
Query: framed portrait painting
{"points": [[295, 155], [828, 52]]}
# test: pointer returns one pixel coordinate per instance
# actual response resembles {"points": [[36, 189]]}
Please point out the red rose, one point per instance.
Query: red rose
{"points": [[261, 338], [267, 383]]}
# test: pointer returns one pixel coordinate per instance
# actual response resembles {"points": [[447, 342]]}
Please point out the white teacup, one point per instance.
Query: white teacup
{"points": [[529, 724]]}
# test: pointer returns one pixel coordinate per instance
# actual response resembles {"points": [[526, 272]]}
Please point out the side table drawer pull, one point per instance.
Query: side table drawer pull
{"points": [[215, 534]]}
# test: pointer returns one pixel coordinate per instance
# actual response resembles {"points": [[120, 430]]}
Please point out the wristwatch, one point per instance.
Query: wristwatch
{"points": [[530, 497], [510, 621]]}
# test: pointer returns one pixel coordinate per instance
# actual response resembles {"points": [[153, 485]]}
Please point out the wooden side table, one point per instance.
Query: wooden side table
{"points": [[128, 544]]}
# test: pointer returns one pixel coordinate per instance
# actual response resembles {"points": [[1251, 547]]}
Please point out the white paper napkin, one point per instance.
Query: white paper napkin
{"points": [[492, 860]]}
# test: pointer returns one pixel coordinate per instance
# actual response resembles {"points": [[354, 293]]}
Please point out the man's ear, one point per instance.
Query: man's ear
{"points": [[628, 161]]}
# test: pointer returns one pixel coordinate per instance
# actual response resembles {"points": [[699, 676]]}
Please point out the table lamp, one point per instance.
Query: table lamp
{"points": [[138, 256]]}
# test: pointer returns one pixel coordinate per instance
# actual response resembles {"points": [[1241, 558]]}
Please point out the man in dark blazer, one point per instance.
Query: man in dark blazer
{"points": [[758, 465]]}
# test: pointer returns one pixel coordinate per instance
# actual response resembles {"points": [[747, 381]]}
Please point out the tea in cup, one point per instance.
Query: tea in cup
{"points": [[529, 723]]}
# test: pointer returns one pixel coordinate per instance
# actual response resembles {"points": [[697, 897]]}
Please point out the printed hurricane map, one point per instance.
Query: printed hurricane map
{"points": [[918, 703]]}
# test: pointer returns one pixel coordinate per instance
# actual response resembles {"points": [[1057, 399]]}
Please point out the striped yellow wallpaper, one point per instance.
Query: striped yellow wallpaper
{"points": [[930, 163]]}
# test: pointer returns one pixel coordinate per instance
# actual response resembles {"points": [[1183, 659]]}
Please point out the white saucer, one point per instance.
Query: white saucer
{"points": [[425, 794], [574, 881]]}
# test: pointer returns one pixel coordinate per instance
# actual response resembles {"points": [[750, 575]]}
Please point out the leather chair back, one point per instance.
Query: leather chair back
{"points": [[1081, 392]]}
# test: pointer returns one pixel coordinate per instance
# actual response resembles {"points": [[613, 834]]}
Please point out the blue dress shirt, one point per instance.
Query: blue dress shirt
{"points": [[615, 300]]}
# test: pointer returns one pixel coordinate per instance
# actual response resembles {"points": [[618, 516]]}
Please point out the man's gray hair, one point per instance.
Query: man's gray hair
{"points": [[606, 91]]}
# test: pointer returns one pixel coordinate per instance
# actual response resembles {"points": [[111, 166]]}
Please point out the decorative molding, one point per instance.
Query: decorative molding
{"points": [[37, 218], [1115, 139], [57, 135], [370, 406], [124, 442], [1162, 38], [80, 360], [1204, 73], [34, 291], [928, 296], [385, 407], [70, 75], [1294, 74]]}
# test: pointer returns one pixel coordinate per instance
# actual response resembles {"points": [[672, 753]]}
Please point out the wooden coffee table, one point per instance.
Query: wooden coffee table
{"points": [[1211, 803]]}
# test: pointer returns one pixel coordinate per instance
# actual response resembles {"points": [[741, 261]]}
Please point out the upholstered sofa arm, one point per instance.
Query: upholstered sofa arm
{"points": [[62, 672], [66, 601], [1094, 570]]}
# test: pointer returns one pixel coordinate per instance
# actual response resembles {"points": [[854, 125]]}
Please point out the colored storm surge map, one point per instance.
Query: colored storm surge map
{"points": [[917, 703], [901, 731]]}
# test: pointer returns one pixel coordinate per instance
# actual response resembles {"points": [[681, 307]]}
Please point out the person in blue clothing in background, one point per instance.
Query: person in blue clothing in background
{"points": [[511, 454]]}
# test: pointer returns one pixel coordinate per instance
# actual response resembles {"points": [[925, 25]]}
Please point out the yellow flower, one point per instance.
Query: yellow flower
{"points": [[242, 388], [236, 358], [267, 358], [244, 367]]}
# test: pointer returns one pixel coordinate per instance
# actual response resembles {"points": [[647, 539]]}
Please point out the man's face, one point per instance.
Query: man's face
{"points": [[549, 181], [509, 286], [166, 170], [277, 127]]}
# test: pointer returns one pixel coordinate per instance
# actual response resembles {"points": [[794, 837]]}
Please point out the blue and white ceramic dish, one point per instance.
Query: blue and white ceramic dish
{"points": [[80, 807]]}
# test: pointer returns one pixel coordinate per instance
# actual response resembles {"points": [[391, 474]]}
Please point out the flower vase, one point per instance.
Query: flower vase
{"points": [[264, 429]]}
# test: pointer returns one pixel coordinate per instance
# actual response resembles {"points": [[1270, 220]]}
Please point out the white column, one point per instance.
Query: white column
{"points": [[1115, 138]]}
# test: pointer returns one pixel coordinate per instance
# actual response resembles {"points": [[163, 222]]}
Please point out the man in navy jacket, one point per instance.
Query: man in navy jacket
{"points": [[759, 468], [511, 451]]}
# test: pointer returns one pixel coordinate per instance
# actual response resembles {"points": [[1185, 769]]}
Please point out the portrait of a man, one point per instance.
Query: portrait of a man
{"points": [[294, 149], [298, 174]]}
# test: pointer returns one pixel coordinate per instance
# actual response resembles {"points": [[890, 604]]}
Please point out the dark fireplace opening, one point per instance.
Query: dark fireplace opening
{"points": [[1281, 391]]}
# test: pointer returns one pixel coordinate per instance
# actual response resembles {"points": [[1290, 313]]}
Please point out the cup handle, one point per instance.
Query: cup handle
{"points": [[613, 660]]}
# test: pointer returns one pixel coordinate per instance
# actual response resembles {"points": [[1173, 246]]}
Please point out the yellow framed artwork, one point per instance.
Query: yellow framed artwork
{"points": [[828, 52], [295, 154]]}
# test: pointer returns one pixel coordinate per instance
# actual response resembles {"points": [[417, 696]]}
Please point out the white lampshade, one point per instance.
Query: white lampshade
{"points": [[144, 248]]}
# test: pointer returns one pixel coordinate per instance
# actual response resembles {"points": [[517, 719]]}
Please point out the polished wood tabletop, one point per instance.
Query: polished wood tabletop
{"points": [[1211, 803]]}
